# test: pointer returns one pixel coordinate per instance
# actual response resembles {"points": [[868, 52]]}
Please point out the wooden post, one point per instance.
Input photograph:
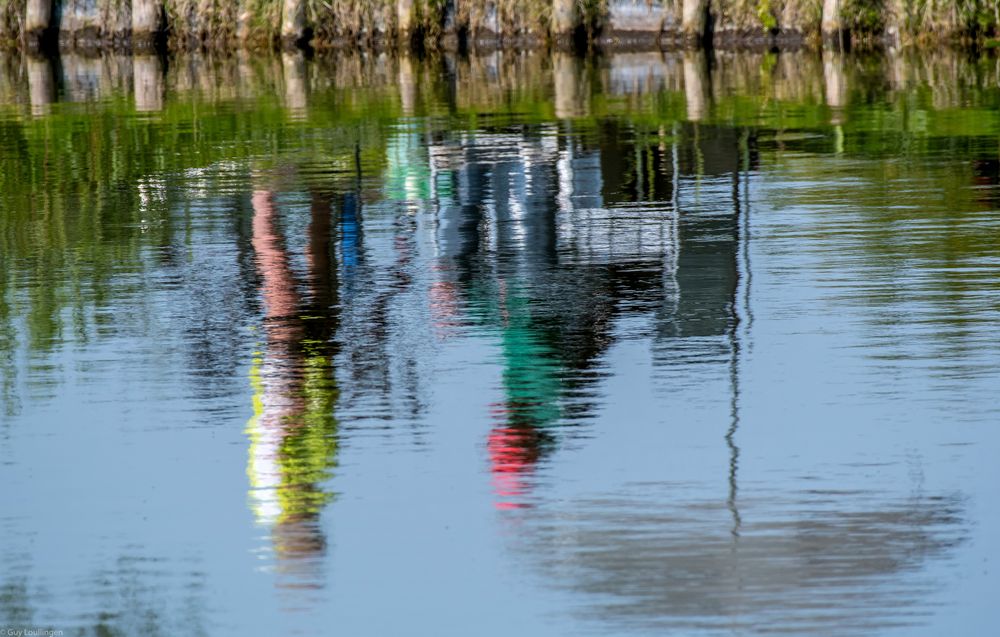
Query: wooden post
{"points": [[832, 24], [694, 20], [37, 22], [147, 22], [566, 20], [293, 22], [894, 24], [406, 20]]}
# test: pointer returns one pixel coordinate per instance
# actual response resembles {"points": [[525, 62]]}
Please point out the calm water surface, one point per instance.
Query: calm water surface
{"points": [[500, 345]]}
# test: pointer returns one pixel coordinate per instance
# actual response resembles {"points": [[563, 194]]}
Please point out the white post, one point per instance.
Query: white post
{"points": [[37, 20], [293, 21], [565, 20], [694, 14], [406, 19], [832, 24], [146, 21]]}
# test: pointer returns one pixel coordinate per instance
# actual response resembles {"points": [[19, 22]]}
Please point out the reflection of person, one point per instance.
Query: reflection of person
{"points": [[293, 429], [532, 388]]}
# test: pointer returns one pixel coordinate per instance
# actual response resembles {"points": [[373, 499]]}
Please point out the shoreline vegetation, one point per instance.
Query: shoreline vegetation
{"points": [[457, 25]]}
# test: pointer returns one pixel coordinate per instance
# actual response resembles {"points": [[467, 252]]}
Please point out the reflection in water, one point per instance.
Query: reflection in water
{"points": [[136, 595], [697, 85], [147, 73], [41, 84], [576, 227], [294, 71], [548, 242], [803, 561], [293, 429]]}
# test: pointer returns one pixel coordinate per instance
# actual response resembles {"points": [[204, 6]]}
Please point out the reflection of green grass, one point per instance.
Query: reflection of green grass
{"points": [[84, 191], [74, 215]]}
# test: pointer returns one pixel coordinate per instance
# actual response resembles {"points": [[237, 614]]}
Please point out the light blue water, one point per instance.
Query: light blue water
{"points": [[500, 345]]}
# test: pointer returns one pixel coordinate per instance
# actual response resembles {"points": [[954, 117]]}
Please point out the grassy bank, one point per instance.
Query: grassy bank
{"points": [[506, 23]]}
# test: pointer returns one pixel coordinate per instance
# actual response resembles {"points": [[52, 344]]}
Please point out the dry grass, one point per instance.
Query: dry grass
{"points": [[352, 21], [504, 17], [215, 22], [11, 21], [257, 23]]}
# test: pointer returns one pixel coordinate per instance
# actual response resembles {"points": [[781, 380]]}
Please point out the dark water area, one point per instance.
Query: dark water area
{"points": [[658, 344]]}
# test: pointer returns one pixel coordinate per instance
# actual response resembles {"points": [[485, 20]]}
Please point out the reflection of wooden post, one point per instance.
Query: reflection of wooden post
{"points": [[293, 66], [147, 79], [83, 77], [694, 14], [697, 93], [897, 69], [835, 91], [565, 21], [569, 85], [834, 80], [41, 84], [293, 21], [407, 85], [37, 21], [146, 22]]}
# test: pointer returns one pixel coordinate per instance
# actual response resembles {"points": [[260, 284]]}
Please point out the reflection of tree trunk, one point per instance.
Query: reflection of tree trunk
{"points": [[293, 64], [835, 85], [897, 69], [570, 85], [147, 79], [798, 77], [81, 77], [41, 84], [407, 85], [697, 85]]}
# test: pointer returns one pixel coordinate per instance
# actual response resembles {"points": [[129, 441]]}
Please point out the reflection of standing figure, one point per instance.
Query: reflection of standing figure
{"points": [[533, 389], [293, 430]]}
